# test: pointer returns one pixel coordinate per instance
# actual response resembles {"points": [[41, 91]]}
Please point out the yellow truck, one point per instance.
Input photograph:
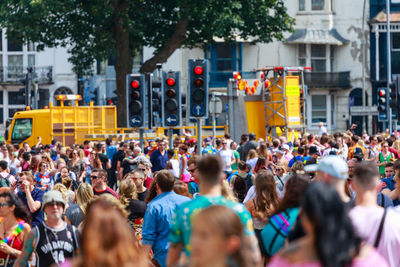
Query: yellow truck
{"points": [[69, 124]]}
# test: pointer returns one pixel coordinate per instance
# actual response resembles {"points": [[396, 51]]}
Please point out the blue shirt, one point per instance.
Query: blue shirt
{"points": [[37, 195], [293, 160], [209, 150], [157, 222], [110, 151], [388, 183], [158, 161]]}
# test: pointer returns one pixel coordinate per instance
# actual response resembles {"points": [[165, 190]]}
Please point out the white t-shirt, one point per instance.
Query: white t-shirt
{"points": [[175, 167], [227, 157], [366, 223]]}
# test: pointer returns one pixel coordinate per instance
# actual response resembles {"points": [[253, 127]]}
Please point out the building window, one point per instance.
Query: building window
{"points": [[317, 5], [224, 59], [302, 5], [318, 109], [318, 58], [395, 53], [302, 55]]}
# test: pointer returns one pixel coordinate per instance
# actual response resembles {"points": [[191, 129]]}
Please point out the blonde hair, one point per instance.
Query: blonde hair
{"points": [[84, 195], [252, 154], [63, 190], [127, 191], [227, 192], [396, 145]]}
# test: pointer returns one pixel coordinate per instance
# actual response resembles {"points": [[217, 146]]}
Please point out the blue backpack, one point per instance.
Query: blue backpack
{"points": [[277, 230]]}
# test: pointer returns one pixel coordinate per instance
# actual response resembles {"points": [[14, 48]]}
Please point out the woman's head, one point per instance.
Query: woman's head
{"points": [[266, 194], [127, 191], [64, 172], [10, 203], [43, 166], [294, 190], [84, 194], [325, 218], [252, 154], [261, 164], [67, 182], [217, 235], [116, 246], [74, 154]]}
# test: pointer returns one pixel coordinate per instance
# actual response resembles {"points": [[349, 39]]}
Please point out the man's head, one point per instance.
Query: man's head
{"points": [[396, 169], [161, 145], [210, 168], [98, 177], [138, 177], [109, 141], [252, 136], [244, 138], [207, 141], [170, 153], [177, 141], [313, 152], [136, 151], [300, 151], [320, 124], [25, 180], [192, 167], [144, 165], [389, 171], [365, 177], [242, 166], [331, 169], [53, 205], [3, 165], [164, 181], [351, 163]]}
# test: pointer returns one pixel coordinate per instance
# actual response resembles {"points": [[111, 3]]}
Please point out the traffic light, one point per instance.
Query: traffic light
{"points": [[171, 99], [393, 95], [136, 100], [198, 88], [156, 101], [382, 103], [93, 95]]}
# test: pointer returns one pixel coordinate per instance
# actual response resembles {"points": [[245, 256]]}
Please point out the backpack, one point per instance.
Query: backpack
{"points": [[274, 234], [4, 182], [248, 181]]}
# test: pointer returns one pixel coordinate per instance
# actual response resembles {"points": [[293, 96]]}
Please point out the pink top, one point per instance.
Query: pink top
{"points": [[373, 260]]}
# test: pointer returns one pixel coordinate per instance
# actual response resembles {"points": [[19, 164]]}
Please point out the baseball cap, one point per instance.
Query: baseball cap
{"points": [[52, 196], [333, 165], [207, 140], [285, 146]]}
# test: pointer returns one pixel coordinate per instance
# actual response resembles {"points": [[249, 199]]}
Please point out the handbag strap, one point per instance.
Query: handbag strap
{"points": [[378, 237]]}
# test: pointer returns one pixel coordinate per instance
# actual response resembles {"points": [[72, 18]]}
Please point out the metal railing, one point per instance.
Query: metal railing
{"points": [[15, 74], [220, 78], [328, 79]]}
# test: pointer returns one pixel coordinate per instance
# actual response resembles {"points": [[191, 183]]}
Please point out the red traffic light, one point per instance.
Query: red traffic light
{"points": [[198, 70], [170, 81], [382, 92], [135, 84]]}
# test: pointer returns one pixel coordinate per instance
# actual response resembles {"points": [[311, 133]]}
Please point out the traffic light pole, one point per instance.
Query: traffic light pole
{"points": [[170, 143], [389, 60], [214, 131], [141, 139], [199, 148]]}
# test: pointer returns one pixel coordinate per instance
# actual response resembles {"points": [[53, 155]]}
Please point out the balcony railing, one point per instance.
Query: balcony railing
{"points": [[338, 80], [220, 78], [15, 74]]}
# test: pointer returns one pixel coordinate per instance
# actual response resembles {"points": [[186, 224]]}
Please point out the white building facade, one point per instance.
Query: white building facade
{"points": [[51, 71]]}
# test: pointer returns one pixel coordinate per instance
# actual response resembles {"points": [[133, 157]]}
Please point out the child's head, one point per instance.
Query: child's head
{"points": [[216, 236]]}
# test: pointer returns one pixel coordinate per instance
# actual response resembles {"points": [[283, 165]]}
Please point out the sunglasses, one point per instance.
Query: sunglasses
{"points": [[4, 204], [143, 170], [192, 170], [94, 177], [55, 203]]}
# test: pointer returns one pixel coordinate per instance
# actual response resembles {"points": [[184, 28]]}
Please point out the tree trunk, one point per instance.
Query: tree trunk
{"points": [[161, 56], [123, 62]]}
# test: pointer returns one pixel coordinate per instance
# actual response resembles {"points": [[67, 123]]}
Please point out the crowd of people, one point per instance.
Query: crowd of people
{"points": [[325, 200]]}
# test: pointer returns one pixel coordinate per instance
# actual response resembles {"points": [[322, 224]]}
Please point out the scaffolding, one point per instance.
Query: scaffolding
{"points": [[279, 99]]}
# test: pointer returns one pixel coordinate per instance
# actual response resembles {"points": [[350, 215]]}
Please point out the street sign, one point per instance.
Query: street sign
{"points": [[198, 110], [226, 107], [136, 121], [363, 111], [218, 106], [171, 120], [382, 117]]}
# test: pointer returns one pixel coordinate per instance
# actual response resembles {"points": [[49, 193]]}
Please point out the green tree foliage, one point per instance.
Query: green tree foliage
{"points": [[94, 29]]}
